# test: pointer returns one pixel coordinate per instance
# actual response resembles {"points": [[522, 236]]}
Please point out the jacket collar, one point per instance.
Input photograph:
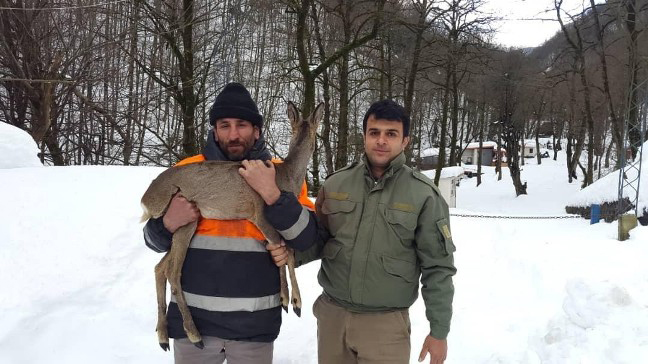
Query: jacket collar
{"points": [[212, 151], [396, 164]]}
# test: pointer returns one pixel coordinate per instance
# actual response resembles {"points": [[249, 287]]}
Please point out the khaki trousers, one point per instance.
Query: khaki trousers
{"points": [[348, 337], [217, 350]]}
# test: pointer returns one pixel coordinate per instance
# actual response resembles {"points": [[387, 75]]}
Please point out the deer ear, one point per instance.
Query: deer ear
{"points": [[293, 113], [316, 117]]}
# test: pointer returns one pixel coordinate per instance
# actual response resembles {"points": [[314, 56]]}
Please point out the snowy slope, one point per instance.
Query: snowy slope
{"points": [[606, 188], [79, 282]]}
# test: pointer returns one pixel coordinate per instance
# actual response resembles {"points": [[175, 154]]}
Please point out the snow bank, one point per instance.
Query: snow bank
{"points": [[606, 189], [17, 148]]}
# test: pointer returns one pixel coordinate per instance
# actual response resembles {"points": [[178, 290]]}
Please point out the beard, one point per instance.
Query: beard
{"points": [[236, 150]]}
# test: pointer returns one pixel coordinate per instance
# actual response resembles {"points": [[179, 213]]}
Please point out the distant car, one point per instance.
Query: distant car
{"points": [[545, 154], [470, 171]]}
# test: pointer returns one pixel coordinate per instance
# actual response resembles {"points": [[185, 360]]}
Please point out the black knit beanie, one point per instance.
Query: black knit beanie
{"points": [[235, 101]]}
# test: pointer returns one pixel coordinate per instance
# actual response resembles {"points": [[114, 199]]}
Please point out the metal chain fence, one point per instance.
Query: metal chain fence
{"points": [[518, 217]]}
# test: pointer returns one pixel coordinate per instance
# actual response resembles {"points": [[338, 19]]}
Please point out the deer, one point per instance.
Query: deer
{"points": [[220, 193]]}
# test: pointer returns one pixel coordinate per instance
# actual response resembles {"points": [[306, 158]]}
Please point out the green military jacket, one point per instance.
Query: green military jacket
{"points": [[385, 234]]}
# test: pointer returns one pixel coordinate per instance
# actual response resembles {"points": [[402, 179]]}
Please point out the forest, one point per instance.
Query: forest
{"points": [[130, 82]]}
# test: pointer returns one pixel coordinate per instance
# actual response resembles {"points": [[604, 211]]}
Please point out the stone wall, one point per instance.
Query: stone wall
{"points": [[608, 211]]}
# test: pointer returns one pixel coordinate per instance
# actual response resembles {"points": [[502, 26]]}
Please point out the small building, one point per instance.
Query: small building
{"points": [[470, 155], [429, 159], [448, 181], [530, 149]]}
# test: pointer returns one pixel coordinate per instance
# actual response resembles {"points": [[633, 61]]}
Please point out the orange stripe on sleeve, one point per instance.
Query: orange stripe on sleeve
{"points": [[229, 228]]}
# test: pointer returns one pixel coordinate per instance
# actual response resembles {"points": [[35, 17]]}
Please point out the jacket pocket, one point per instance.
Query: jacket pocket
{"points": [[403, 223], [448, 246], [340, 218], [400, 268], [390, 282]]}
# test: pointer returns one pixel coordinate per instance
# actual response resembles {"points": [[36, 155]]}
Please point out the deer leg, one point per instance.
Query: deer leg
{"points": [[284, 288], [181, 240], [160, 288], [294, 287], [273, 237]]}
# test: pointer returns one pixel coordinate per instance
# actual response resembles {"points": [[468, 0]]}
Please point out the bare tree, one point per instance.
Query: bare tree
{"points": [[576, 42]]}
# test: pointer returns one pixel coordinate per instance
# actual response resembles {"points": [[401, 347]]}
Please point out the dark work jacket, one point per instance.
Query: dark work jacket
{"points": [[229, 280]]}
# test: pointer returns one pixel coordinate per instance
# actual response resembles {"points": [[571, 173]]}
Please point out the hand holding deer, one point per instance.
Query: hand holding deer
{"points": [[279, 253], [180, 213], [261, 177]]}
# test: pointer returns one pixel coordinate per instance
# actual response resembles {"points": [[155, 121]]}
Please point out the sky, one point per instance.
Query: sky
{"points": [[78, 282], [512, 31]]}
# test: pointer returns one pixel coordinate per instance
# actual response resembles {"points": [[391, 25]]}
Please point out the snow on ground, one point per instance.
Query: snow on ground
{"points": [[547, 190], [17, 148], [79, 287], [544, 291]]}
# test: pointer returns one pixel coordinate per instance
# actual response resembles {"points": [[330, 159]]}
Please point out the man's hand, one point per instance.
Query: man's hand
{"points": [[438, 350], [279, 253], [180, 213], [260, 176]]}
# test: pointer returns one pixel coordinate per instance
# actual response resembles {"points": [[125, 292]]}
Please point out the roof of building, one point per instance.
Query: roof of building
{"points": [[448, 172], [429, 152], [475, 145]]}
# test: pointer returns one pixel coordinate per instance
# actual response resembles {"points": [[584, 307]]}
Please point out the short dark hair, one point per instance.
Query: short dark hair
{"points": [[390, 110]]}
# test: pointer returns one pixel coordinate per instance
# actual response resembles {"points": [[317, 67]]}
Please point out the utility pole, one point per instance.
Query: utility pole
{"points": [[630, 170]]}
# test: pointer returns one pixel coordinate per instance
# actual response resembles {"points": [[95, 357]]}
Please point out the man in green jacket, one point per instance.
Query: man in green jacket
{"points": [[384, 227]]}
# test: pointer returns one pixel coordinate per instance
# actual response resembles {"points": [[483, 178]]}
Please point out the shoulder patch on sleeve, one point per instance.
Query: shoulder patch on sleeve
{"points": [[348, 166]]}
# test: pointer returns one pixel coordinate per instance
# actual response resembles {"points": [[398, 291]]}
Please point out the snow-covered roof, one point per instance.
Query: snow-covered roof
{"points": [[17, 148], [446, 172], [475, 145], [429, 152], [449, 172]]}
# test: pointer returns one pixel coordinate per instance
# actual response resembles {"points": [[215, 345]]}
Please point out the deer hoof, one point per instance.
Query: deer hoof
{"points": [[297, 311], [285, 308], [164, 346], [199, 344]]}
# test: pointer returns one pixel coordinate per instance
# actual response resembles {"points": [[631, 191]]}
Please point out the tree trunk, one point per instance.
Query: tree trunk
{"points": [[187, 77], [616, 123], [633, 127], [444, 130], [342, 153], [454, 119], [482, 120], [413, 70], [326, 94]]}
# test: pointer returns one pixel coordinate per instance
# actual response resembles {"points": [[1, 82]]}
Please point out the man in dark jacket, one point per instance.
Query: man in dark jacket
{"points": [[385, 227], [229, 280]]}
